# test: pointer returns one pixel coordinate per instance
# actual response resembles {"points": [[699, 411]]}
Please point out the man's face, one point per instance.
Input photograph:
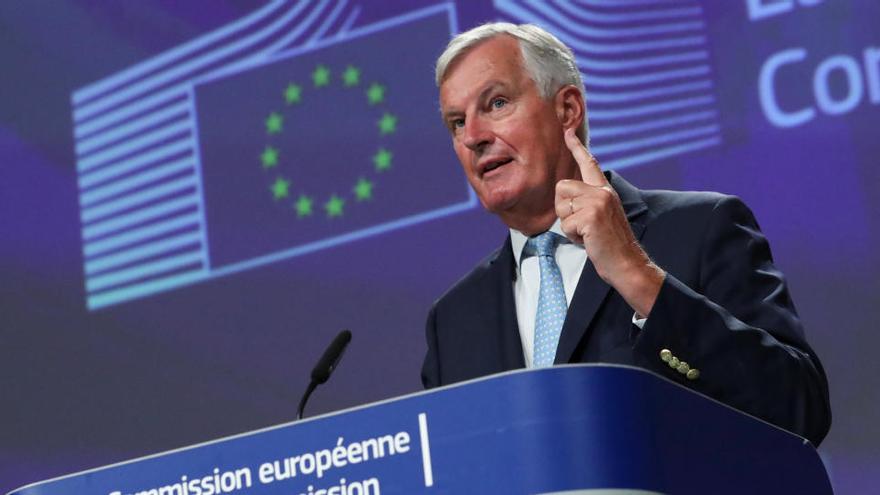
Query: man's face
{"points": [[508, 138]]}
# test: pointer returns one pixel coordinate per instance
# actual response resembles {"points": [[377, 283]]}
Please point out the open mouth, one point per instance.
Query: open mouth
{"points": [[498, 163]]}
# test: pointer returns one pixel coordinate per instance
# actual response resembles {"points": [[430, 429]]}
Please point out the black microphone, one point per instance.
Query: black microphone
{"points": [[328, 362]]}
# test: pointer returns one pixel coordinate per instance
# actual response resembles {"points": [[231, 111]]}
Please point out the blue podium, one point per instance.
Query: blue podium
{"points": [[579, 429]]}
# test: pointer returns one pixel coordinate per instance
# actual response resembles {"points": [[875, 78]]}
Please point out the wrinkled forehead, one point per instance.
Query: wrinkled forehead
{"points": [[501, 51], [496, 61]]}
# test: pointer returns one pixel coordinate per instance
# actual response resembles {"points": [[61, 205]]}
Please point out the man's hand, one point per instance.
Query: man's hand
{"points": [[592, 215]]}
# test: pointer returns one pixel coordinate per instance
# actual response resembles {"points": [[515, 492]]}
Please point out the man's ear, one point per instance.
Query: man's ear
{"points": [[569, 105]]}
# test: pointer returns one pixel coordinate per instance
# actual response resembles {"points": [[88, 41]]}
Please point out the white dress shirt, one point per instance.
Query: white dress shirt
{"points": [[571, 259]]}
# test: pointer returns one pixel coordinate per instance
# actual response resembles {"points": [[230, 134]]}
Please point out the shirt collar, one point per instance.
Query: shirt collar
{"points": [[518, 240]]}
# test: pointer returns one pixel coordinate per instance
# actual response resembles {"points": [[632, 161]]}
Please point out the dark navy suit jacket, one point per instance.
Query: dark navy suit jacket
{"points": [[723, 308]]}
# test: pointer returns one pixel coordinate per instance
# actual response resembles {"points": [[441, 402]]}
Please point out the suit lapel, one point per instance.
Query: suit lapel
{"points": [[500, 277], [591, 290]]}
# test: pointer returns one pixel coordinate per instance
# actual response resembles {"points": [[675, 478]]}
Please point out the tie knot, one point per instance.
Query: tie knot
{"points": [[543, 244]]}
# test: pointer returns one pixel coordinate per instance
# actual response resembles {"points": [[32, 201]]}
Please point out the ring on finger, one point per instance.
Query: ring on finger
{"points": [[571, 206]]}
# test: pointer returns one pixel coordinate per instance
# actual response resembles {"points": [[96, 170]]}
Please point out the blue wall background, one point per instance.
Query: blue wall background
{"points": [[155, 292]]}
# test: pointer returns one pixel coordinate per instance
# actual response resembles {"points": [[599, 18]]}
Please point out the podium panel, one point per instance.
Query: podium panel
{"points": [[578, 429]]}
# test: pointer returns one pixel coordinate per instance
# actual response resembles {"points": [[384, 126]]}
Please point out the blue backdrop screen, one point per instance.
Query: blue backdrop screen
{"points": [[197, 196]]}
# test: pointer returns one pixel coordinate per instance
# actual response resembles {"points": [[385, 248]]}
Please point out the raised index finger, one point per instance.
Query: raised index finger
{"points": [[590, 171]]}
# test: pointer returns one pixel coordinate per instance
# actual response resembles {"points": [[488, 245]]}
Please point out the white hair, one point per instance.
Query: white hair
{"points": [[548, 62]]}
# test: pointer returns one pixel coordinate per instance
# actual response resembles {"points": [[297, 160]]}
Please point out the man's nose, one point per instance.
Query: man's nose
{"points": [[476, 134]]}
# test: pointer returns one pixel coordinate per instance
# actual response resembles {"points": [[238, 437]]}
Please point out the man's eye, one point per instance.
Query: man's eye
{"points": [[498, 103], [457, 124]]}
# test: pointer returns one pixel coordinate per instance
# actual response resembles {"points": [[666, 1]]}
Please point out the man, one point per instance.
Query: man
{"points": [[595, 270]]}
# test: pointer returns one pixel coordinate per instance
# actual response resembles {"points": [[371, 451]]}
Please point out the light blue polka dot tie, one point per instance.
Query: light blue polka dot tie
{"points": [[551, 299]]}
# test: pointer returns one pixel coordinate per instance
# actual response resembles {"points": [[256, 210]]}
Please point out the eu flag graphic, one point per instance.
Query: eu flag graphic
{"points": [[259, 142], [325, 142]]}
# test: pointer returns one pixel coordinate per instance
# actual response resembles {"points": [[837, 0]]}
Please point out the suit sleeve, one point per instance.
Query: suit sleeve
{"points": [[739, 328]]}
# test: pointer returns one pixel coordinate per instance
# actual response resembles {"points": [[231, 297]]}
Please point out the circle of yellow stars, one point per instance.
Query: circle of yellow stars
{"points": [[334, 206]]}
